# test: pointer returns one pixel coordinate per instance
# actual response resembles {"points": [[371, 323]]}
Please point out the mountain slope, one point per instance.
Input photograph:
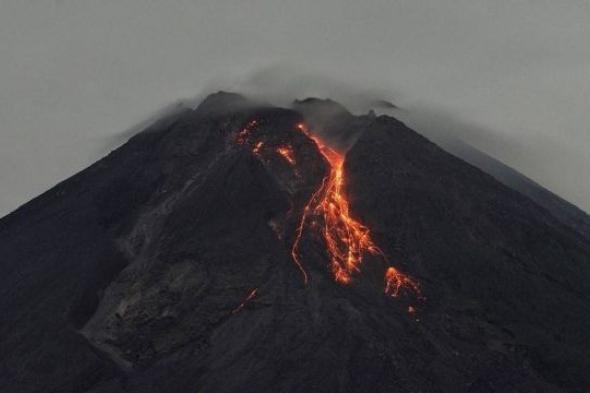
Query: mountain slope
{"points": [[560, 208], [169, 266]]}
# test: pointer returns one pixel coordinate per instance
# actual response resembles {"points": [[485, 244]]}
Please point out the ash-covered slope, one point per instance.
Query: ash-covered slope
{"points": [[559, 207], [169, 266]]}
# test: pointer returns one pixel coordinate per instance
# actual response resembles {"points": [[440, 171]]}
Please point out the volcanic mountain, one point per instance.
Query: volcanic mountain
{"points": [[240, 247]]}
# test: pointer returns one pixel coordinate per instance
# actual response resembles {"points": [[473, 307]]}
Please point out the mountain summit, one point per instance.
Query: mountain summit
{"points": [[240, 247]]}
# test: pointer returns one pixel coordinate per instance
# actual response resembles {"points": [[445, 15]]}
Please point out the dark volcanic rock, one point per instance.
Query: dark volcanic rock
{"points": [[490, 256], [167, 267], [563, 210]]}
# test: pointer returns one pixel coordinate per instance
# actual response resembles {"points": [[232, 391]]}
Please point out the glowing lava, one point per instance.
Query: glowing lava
{"points": [[328, 210], [243, 134], [251, 296], [396, 283], [347, 240], [257, 148], [287, 153]]}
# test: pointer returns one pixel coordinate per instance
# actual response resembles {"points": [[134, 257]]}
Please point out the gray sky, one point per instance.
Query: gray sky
{"points": [[510, 77]]}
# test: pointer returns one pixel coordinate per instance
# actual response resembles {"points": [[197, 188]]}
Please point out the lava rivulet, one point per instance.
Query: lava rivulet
{"points": [[328, 211], [396, 283], [251, 296], [347, 240], [287, 153], [257, 148], [245, 132]]}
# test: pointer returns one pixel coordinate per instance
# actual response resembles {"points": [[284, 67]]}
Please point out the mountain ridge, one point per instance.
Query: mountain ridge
{"points": [[168, 266]]}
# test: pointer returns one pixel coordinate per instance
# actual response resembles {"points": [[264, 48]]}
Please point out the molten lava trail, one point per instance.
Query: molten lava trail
{"points": [[347, 240], [328, 211], [287, 153], [251, 296]]}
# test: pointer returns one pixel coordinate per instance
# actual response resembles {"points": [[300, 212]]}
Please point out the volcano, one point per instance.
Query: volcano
{"points": [[241, 247]]}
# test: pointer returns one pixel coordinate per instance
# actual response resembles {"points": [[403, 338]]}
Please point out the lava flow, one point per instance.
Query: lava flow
{"points": [[251, 296], [396, 283], [347, 240], [287, 153]]}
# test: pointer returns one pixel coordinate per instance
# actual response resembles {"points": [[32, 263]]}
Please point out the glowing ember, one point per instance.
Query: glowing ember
{"points": [[396, 283], [257, 148], [287, 153], [244, 132], [347, 240], [251, 296]]}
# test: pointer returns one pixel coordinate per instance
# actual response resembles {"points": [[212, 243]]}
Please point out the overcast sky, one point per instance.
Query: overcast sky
{"points": [[511, 77]]}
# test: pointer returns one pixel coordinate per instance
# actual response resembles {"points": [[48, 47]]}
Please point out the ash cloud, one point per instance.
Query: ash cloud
{"points": [[327, 103], [282, 84]]}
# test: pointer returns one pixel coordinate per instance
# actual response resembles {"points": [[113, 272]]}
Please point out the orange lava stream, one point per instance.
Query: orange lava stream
{"points": [[287, 153], [257, 148], [396, 283], [347, 240], [250, 297], [243, 134]]}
